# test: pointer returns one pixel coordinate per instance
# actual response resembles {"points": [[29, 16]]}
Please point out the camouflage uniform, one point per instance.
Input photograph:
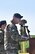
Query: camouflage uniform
{"points": [[1, 41], [13, 38]]}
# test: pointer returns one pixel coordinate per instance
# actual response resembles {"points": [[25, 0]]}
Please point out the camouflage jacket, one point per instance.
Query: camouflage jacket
{"points": [[1, 37], [13, 37]]}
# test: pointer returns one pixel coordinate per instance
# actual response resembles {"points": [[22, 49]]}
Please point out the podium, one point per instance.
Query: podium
{"points": [[32, 45]]}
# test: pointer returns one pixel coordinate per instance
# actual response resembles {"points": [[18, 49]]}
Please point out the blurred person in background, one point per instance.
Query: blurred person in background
{"points": [[2, 27]]}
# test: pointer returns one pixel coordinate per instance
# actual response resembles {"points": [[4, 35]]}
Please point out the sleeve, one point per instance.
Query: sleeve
{"points": [[1, 36]]}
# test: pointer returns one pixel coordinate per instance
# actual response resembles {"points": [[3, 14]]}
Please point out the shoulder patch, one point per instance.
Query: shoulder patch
{"points": [[0, 31], [13, 30]]}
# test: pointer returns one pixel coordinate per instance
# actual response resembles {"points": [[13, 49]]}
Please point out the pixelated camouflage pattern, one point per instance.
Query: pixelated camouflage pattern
{"points": [[1, 41], [13, 38]]}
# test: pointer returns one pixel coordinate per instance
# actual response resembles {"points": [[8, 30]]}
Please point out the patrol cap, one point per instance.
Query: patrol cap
{"points": [[2, 22], [18, 15]]}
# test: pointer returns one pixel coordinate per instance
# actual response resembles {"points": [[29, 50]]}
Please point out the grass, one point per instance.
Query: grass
{"points": [[33, 36]]}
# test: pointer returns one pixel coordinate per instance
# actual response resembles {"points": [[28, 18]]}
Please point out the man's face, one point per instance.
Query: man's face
{"points": [[17, 20], [3, 26]]}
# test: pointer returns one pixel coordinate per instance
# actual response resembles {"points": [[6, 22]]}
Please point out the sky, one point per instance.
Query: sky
{"points": [[25, 7]]}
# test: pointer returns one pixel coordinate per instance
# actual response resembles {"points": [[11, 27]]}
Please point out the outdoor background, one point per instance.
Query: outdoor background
{"points": [[24, 7]]}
